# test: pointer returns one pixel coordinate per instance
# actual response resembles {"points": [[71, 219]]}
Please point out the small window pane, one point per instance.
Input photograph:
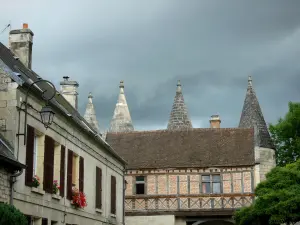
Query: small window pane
{"points": [[206, 187], [216, 178], [206, 178], [216, 187], [140, 178], [140, 189]]}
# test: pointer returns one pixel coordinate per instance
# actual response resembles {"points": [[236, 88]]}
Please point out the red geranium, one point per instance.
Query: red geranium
{"points": [[78, 199]]}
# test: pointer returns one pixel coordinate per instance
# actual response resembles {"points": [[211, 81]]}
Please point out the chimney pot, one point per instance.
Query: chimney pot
{"points": [[215, 121], [25, 25], [66, 78]]}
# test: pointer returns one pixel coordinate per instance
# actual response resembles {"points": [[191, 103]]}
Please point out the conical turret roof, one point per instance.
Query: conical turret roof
{"points": [[121, 121], [179, 117], [252, 117], [90, 114]]}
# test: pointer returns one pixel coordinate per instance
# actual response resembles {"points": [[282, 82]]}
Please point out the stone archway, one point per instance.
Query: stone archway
{"points": [[214, 222]]}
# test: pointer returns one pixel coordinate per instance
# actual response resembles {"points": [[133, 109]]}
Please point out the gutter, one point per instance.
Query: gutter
{"points": [[124, 190]]}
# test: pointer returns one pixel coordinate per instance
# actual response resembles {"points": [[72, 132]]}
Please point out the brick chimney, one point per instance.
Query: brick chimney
{"points": [[69, 91], [215, 121], [20, 43]]}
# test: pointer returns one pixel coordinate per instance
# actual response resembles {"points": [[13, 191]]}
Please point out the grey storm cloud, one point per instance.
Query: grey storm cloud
{"points": [[211, 46]]}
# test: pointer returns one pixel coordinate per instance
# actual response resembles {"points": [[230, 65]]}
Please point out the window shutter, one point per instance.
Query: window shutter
{"points": [[48, 164], [98, 188], [29, 155], [113, 195], [81, 174], [62, 171], [69, 174]]}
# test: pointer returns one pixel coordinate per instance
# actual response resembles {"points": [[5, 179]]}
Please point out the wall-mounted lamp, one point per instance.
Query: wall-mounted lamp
{"points": [[46, 112]]}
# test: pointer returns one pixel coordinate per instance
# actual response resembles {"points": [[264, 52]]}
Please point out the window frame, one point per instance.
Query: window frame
{"points": [[211, 182]]}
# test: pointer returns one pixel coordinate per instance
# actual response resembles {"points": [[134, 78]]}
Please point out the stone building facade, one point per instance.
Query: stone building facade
{"points": [[70, 151], [185, 175]]}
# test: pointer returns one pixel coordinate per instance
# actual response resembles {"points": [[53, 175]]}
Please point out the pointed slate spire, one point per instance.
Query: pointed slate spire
{"points": [[121, 121], [179, 117], [252, 117], [90, 114]]}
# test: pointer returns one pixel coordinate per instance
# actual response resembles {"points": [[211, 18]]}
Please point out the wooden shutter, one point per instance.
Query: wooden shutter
{"points": [[113, 195], [69, 174], [81, 174], [62, 172], [29, 155], [98, 188], [48, 164]]}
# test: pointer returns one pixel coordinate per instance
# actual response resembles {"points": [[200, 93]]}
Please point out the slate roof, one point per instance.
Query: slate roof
{"points": [[58, 102], [198, 147], [179, 117], [7, 156], [252, 117]]}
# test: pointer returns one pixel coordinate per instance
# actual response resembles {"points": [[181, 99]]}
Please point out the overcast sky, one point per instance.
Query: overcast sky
{"points": [[211, 46]]}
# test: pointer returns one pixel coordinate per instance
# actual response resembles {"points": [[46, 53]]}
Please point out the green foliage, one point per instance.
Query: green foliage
{"points": [[9, 215], [286, 136], [277, 198]]}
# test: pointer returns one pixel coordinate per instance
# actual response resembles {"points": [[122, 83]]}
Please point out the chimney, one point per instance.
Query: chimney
{"points": [[215, 121], [20, 43], [68, 90]]}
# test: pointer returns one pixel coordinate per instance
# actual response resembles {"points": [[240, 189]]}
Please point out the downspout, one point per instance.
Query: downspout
{"points": [[124, 190], [12, 180]]}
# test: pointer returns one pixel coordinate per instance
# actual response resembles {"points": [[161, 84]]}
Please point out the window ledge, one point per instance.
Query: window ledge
{"points": [[37, 191], [98, 210], [55, 196], [113, 215]]}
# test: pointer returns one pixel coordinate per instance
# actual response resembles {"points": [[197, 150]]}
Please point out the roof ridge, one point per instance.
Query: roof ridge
{"points": [[187, 130]]}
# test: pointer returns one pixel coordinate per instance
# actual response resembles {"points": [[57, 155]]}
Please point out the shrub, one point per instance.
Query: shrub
{"points": [[9, 215]]}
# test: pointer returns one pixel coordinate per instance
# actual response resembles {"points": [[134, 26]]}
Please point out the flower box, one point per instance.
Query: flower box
{"points": [[37, 191], [78, 199], [55, 196]]}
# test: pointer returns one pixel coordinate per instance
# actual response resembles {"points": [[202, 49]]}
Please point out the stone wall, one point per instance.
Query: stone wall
{"points": [[65, 132], [4, 185], [265, 158], [153, 220]]}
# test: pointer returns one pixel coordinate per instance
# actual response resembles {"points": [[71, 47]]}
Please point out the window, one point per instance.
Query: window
{"points": [[211, 184], [35, 155], [113, 200], [74, 170], [81, 174], [98, 188], [44, 221], [140, 185]]}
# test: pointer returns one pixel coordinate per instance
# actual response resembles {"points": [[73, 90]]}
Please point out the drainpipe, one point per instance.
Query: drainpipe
{"points": [[124, 189], [12, 180]]}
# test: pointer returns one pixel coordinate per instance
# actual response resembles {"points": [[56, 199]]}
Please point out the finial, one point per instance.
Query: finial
{"points": [[90, 95], [121, 84], [249, 81], [178, 86]]}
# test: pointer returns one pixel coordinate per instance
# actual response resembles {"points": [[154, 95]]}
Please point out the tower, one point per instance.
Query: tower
{"points": [[252, 117], [179, 117], [121, 121], [90, 114]]}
